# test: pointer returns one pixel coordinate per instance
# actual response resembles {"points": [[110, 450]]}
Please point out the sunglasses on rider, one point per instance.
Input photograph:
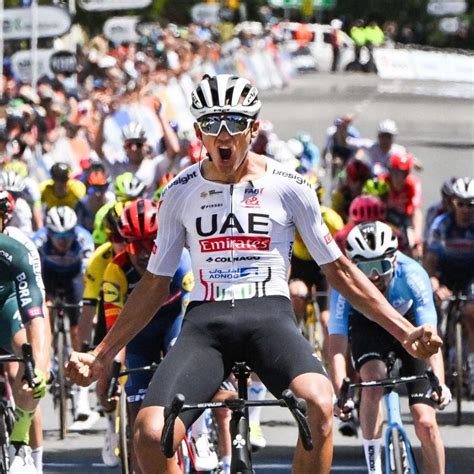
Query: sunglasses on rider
{"points": [[380, 266], [139, 246], [464, 203], [69, 234], [234, 124], [134, 145]]}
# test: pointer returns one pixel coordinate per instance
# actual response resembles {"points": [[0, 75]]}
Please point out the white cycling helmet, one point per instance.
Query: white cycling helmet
{"points": [[371, 240], [463, 189], [12, 181], [133, 132], [61, 219], [225, 94], [387, 126]]}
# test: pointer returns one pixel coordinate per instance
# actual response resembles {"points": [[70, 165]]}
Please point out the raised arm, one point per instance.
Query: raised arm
{"points": [[347, 279], [142, 304]]}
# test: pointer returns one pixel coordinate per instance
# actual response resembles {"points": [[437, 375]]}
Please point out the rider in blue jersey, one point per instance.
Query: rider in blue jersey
{"points": [[373, 247], [64, 249], [449, 257]]}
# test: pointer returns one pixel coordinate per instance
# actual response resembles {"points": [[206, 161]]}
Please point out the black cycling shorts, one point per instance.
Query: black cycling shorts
{"points": [[311, 274], [73, 288], [370, 341], [260, 331]]}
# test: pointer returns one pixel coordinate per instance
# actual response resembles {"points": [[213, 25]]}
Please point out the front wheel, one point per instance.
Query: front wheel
{"points": [[124, 435], [397, 459], [459, 373], [4, 441]]}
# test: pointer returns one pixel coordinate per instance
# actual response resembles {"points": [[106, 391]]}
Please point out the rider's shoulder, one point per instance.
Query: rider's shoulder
{"points": [[286, 176], [182, 180], [443, 221]]}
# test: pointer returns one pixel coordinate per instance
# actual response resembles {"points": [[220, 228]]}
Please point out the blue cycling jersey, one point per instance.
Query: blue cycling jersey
{"points": [[410, 289], [454, 247], [73, 261]]}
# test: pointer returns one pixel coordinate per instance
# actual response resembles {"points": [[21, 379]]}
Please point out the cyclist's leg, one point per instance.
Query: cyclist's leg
{"points": [[321, 286], [277, 338], [422, 408], [36, 440], [194, 367], [468, 319], [299, 298]]}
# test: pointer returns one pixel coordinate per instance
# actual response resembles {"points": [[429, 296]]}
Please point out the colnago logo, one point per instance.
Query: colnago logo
{"points": [[299, 179], [371, 451], [23, 290], [256, 224], [243, 258], [244, 243]]}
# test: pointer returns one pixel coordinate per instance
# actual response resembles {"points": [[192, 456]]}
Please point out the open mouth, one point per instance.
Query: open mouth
{"points": [[225, 153]]}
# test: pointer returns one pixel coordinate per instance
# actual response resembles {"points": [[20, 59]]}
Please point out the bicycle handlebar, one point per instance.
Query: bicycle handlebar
{"points": [[29, 362], [26, 359], [171, 414], [297, 407], [347, 386]]}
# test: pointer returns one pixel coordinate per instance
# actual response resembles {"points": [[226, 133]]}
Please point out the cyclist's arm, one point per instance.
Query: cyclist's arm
{"points": [[338, 327], [30, 304], [348, 280], [142, 304]]}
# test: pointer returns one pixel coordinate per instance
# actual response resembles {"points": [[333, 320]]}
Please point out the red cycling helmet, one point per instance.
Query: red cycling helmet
{"points": [[367, 208], [357, 170], [97, 178], [402, 162], [7, 205], [165, 179], [138, 221], [195, 151]]}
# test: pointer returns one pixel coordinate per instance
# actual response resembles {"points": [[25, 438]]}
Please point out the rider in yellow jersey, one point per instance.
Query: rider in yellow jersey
{"points": [[92, 297], [305, 275], [60, 190]]}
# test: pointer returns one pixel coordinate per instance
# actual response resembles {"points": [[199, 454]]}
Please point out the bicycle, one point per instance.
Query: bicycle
{"points": [[239, 424], [61, 389], [185, 456], [399, 456], [455, 349], [7, 404]]}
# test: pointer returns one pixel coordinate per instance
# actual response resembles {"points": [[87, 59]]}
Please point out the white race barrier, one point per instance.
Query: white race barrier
{"points": [[424, 65]]}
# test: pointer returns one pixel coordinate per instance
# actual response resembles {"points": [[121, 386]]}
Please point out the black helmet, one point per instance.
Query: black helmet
{"points": [[60, 172]]}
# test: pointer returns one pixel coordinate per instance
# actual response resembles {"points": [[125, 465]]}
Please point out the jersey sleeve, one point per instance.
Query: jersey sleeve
{"points": [[170, 240], [339, 314], [307, 217], [28, 291], [419, 286]]}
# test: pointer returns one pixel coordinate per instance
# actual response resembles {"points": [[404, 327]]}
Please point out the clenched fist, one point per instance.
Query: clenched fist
{"points": [[422, 342], [83, 368]]}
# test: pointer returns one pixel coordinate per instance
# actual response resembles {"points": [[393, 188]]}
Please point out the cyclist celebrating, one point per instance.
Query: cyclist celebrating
{"points": [[236, 212], [64, 248], [372, 246], [449, 259], [21, 321]]}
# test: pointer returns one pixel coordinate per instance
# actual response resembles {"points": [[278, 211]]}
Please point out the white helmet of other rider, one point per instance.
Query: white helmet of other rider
{"points": [[371, 240], [225, 94], [463, 189], [387, 126], [61, 219]]}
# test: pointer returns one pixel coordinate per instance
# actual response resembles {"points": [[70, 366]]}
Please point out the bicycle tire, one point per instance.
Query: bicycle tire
{"points": [[4, 442], [63, 395], [124, 435], [458, 387], [395, 454]]}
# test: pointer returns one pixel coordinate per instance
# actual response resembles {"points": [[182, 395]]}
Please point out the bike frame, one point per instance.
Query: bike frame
{"points": [[394, 421]]}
